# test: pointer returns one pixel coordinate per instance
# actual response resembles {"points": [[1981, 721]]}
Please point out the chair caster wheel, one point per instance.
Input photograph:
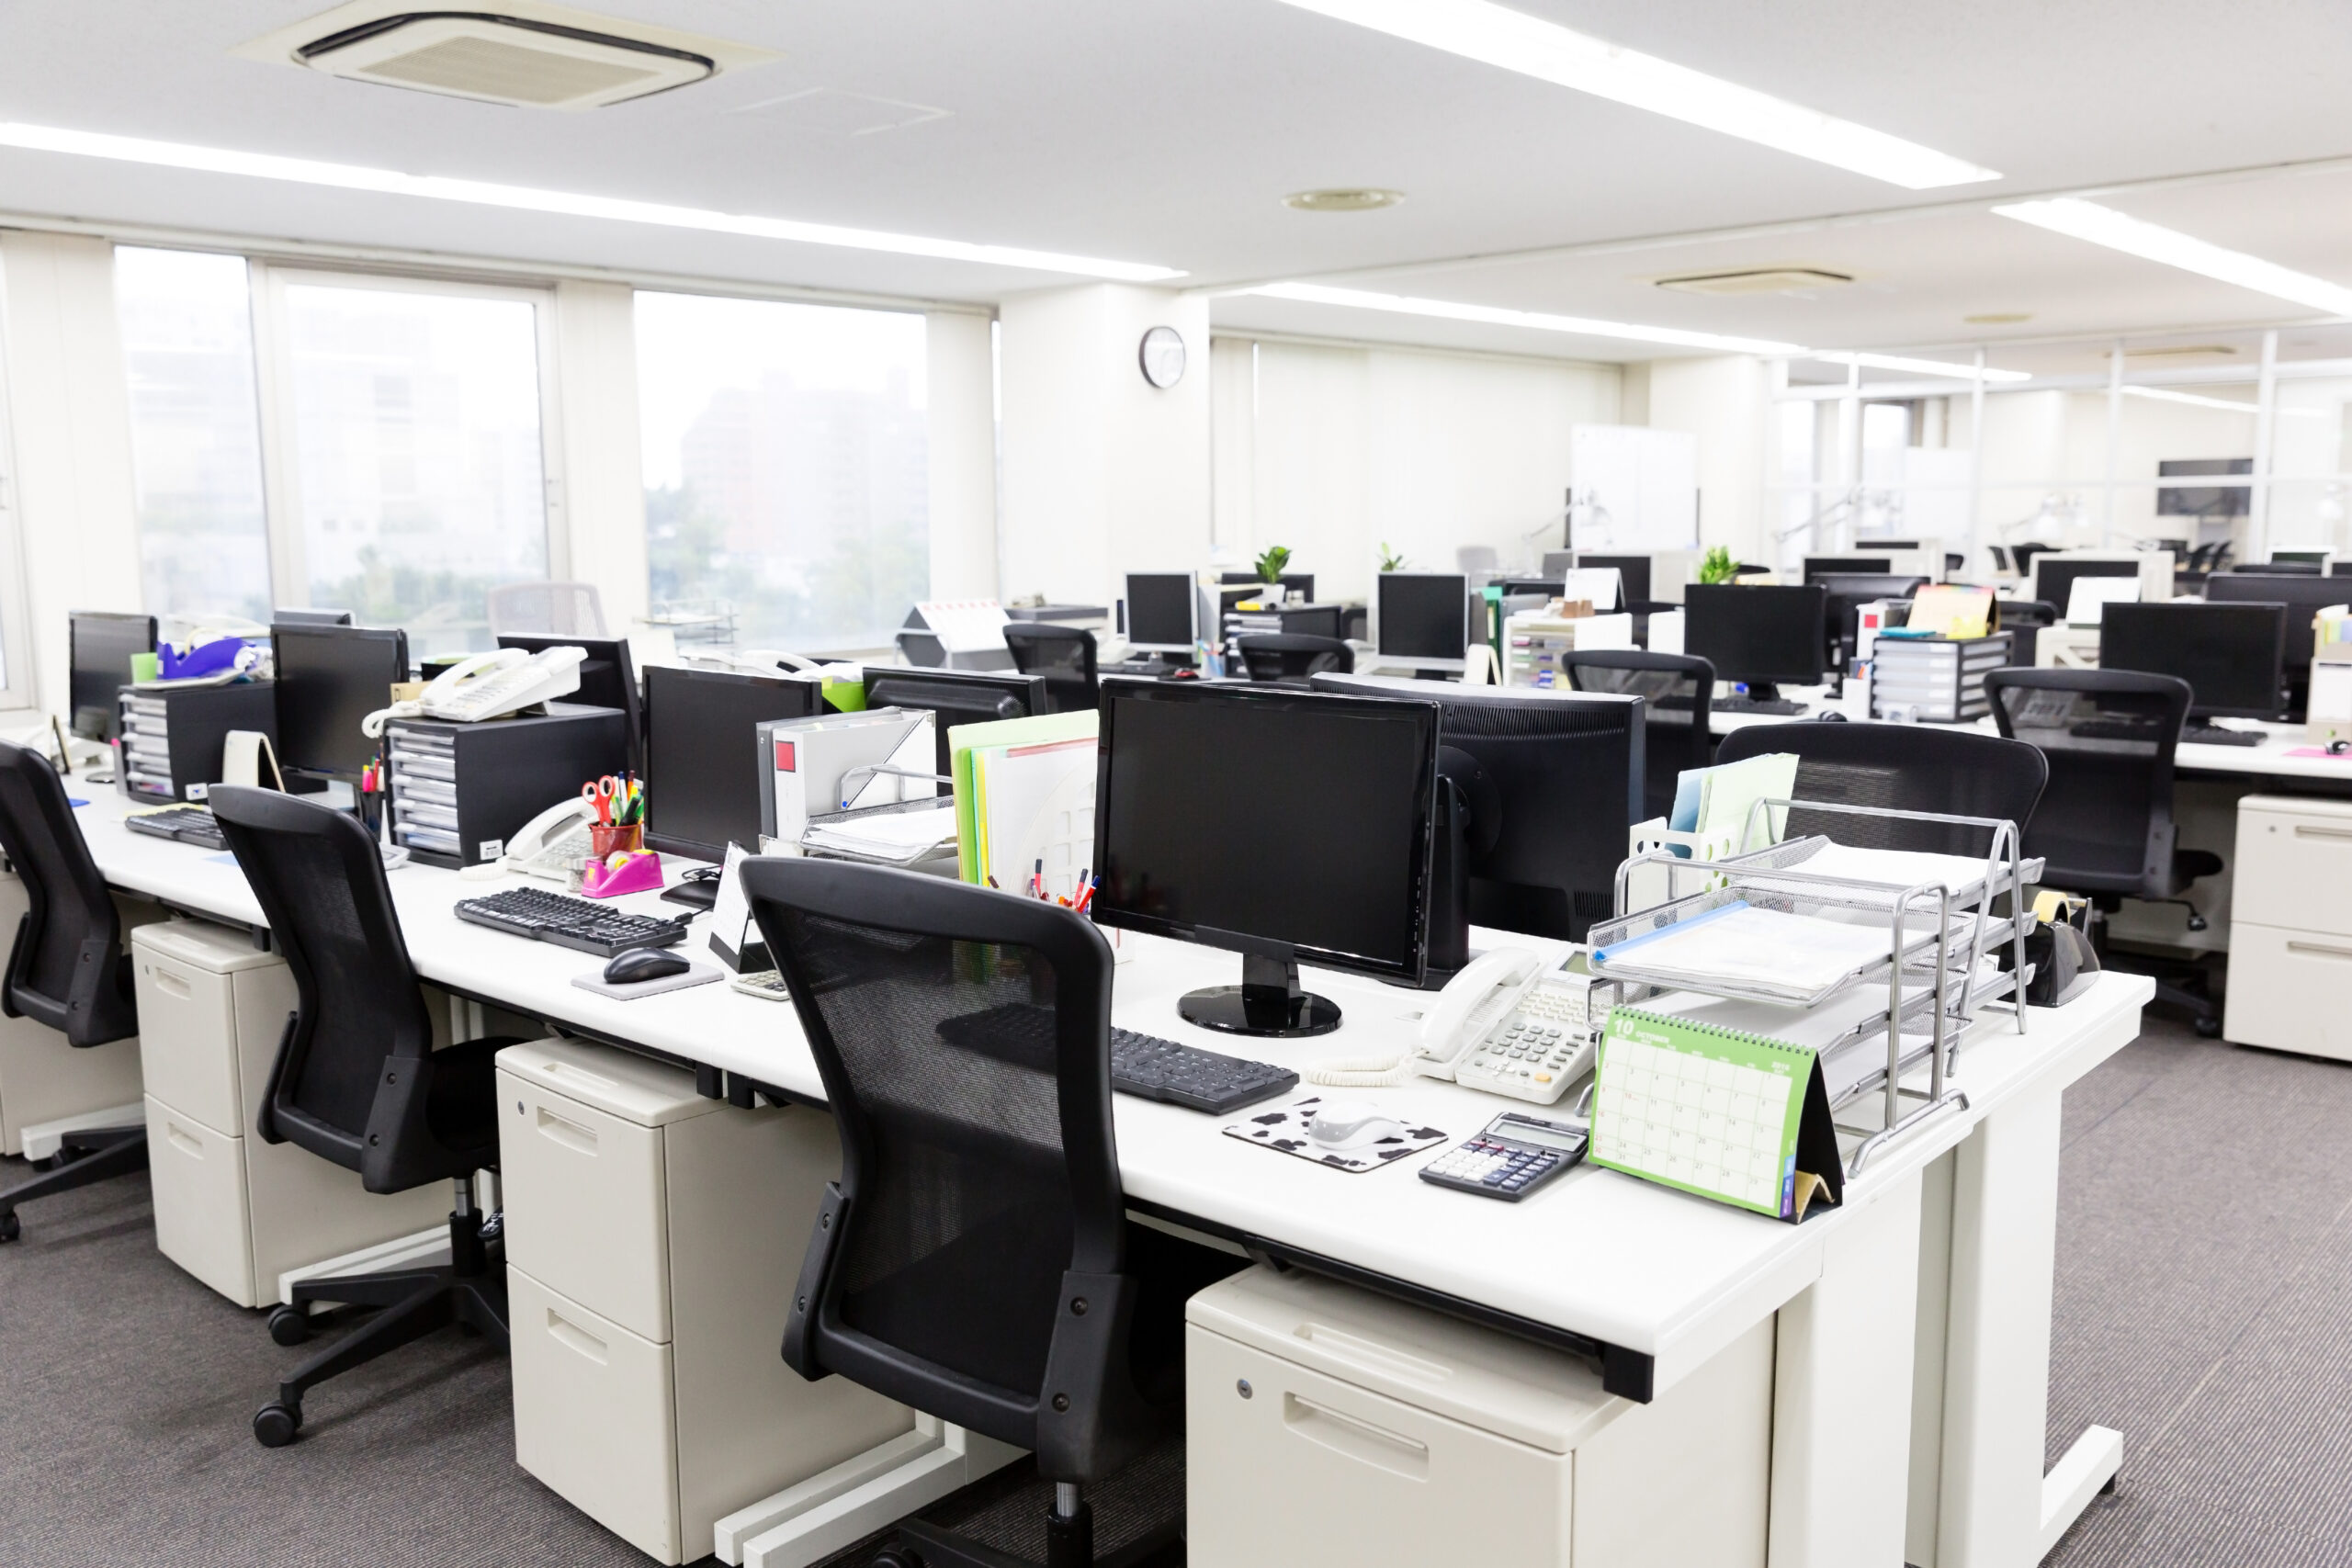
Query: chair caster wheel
{"points": [[895, 1557], [10, 1226], [289, 1325], [274, 1425], [2209, 1028]]}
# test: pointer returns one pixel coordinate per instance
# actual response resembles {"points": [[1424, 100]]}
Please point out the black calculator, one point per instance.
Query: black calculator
{"points": [[1513, 1158]]}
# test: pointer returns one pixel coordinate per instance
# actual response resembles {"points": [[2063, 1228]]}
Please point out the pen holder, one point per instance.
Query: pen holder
{"points": [[608, 842], [638, 873]]}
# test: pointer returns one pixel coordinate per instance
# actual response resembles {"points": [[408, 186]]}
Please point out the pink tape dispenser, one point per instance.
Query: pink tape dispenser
{"points": [[621, 872]]}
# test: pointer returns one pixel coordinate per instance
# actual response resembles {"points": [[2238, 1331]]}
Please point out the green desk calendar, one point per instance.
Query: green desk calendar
{"points": [[1720, 1112]]}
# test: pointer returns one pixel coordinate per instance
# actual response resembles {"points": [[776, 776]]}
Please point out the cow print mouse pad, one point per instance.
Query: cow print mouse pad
{"points": [[1284, 1129]]}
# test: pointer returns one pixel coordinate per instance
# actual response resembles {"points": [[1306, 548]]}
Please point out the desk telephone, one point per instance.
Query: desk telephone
{"points": [[490, 685], [1507, 1024], [547, 846]]}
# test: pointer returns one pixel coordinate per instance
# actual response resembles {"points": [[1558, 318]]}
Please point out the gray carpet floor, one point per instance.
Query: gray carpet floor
{"points": [[2203, 1280]]}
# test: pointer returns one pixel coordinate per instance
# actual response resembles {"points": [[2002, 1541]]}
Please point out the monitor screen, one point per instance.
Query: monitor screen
{"points": [[2204, 500], [1632, 570], [1250, 819], [1423, 617], [956, 697], [1849, 591], [99, 645], [2304, 596], [1161, 609], [2053, 578], [1817, 567], [329, 680], [607, 677], [285, 618], [2231, 655], [1761, 634], [702, 754]]}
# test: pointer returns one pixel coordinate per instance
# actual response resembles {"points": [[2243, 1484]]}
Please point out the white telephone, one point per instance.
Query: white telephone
{"points": [[547, 846], [1498, 1026], [490, 685]]}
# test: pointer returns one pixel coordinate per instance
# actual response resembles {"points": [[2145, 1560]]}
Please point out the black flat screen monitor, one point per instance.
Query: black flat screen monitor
{"points": [[1521, 587], [703, 767], [2231, 655], [282, 616], [1761, 634], [329, 680], [956, 697], [1849, 591], [2304, 598], [1299, 582], [2053, 580], [1286, 826], [1423, 618], [1163, 609], [607, 679], [2204, 500], [1550, 783], [99, 644], [1819, 567], [1634, 571]]}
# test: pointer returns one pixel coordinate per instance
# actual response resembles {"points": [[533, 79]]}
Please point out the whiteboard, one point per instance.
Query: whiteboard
{"points": [[1636, 489]]}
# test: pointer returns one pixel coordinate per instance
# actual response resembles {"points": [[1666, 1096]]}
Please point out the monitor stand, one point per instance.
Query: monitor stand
{"points": [[1268, 1002], [1763, 691]]}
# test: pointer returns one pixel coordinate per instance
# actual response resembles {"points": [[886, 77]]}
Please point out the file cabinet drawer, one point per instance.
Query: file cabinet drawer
{"points": [[198, 1177], [188, 1032], [2294, 863], [586, 1203], [2288, 990]]}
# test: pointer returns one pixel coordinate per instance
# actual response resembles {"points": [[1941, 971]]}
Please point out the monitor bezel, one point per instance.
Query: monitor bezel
{"points": [[1412, 660], [2197, 706], [1192, 609], [696, 849], [396, 636]]}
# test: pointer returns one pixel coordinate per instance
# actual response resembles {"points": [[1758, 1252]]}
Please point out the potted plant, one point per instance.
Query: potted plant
{"points": [[1718, 566], [1271, 564], [1391, 559]]}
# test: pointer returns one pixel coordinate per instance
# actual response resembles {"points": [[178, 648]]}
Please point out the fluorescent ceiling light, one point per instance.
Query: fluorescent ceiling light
{"points": [[1495, 35], [1492, 315], [1924, 367], [570, 204], [2104, 226], [2166, 394]]}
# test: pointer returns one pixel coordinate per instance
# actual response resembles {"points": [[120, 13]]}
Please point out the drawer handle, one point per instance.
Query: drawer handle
{"points": [[571, 1337], [2319, 949], [1371, 1357], [170, 985], [2305, 830], [1359, 1440], [570, 1135], [182, 1142]]}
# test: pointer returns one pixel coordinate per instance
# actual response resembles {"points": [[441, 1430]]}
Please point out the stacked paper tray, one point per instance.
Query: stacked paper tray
{"points": [[1869, 879], [1726, 944]]}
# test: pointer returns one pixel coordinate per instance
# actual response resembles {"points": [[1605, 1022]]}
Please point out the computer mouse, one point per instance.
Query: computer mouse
{"points": [[1342, 1124], [2337, 748], [634, 964]]}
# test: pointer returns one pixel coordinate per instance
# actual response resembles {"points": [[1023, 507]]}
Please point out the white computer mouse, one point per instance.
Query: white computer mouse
{"points": [[1343, 1124]]}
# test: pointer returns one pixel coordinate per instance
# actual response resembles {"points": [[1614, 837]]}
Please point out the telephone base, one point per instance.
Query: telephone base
{"points": [[1261, 1011]]}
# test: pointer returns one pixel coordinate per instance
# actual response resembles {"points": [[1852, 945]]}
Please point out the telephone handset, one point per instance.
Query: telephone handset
{"points": [[549, 845], [1483, 995], [490, 685]]}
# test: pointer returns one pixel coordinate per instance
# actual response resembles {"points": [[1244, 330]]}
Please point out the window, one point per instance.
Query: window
{"points": [[417, 465], [188, 344], [786, 469]]}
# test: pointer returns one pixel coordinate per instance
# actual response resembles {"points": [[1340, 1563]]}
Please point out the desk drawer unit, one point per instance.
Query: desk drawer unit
{"points": [[198, 1177], [43, 1078], [2291, 927], [2294, 863], [2290, 990]]}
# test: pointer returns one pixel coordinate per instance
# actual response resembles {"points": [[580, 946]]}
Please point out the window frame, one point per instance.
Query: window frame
{"points": [[20, 692]]}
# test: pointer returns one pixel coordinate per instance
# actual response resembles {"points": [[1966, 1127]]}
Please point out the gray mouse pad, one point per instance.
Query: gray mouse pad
{"points": [[697, 975]]}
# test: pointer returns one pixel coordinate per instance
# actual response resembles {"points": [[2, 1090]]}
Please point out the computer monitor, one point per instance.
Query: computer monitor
{"points": [[99, 644], [1634, 571], [1550, 783], [1849, 591], [1549, 587], [1282, 825], [1558, 561], [282, 616], [703, 767], [1761, 634], [1423, 618], [1817, 567], [2320, 558], [956, 697], [2304, 597], [329, 680], [2231, 655], [1163, 612], [607, 678], [2054, 573]]}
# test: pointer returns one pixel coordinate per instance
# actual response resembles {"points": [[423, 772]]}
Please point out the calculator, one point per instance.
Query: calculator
{"points": [[1513, 1157], [766, 984]]}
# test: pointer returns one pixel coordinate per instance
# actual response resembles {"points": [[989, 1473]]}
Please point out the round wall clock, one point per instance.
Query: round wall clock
{"points": [[1162, 354]]}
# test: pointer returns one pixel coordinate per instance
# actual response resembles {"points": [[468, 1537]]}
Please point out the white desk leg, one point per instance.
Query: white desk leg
{"points": [[859, 1496], [1997, 1509], [1841, 1395]]}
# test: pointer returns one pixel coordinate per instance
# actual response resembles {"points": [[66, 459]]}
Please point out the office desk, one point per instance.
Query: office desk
{"points": [[1651, 1280]]}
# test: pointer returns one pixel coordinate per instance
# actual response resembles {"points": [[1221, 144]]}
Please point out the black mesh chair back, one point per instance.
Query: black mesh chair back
{"points": [[1063, 656], [1290, 657], [67, 969], [1679, 688], [356, 1081], [2106, 822], [973, 1259], [1901, 767]]}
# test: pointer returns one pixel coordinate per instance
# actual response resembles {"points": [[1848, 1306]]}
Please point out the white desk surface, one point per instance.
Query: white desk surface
{"points": [[1596, 1252]]}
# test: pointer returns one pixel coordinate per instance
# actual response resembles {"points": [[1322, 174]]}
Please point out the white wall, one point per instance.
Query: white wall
{"points": [[601, 475], [960, 375], [1725, 402]]}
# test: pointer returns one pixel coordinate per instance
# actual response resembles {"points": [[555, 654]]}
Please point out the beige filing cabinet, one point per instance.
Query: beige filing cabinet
{"points": [[1327, 1425], [653, 1237], [2291, 927], [41, 1078], [233, 1210]]}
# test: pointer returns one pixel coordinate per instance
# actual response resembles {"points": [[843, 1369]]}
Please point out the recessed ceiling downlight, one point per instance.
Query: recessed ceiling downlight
{"points": [[1349, 198]]}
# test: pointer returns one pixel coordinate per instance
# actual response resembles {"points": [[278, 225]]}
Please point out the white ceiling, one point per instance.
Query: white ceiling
{"points": [[1167, 131]]}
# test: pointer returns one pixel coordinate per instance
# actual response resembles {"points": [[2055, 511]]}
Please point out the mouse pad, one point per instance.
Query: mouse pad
{"points": [[1284, 1129], [698, 974]]}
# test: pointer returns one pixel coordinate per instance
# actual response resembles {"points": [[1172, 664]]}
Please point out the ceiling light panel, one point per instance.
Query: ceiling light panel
{"points": [[2081, 220], [1493, 315], [1922, 367], [1513, 40]]}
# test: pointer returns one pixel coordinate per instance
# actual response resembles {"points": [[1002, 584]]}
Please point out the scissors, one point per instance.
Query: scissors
{"points": [[601, 795]]}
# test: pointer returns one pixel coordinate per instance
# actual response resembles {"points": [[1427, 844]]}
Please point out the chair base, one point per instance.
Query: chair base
{"points": [[95, 1155], [1069, 1544]]}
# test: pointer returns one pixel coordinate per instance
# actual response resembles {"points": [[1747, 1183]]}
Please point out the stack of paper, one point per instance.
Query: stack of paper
{"points": [[898, 837], [1795, 959], [1024, 801]]}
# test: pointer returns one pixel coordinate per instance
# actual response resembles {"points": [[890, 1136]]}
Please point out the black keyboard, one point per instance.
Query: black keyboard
{"points": [[1784, 706], [1141, 1064], [187, 824], [2149, 735], [568, 922], [2194, 736]]}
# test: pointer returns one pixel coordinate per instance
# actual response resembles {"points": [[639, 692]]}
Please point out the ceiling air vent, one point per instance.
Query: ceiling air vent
{"points": [[505, 60], [1755, 280]]}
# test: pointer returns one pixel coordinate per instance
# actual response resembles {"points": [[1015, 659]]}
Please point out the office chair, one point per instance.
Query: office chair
{"points": [[2025, 620], [2106, 822], [565, 609], [1905, 767], [975, 1260], [1289, 657], [1672, 684], [358, 1082], [68, 968], [1064, 655], [2278, 567]]}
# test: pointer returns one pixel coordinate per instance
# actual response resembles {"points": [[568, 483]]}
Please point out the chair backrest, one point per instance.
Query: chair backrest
{"points": [[1670, 683], [568, 609], [964, 1041], [67, 969], [2106, 822], [1292, 656], [1902, 767], [319, 881], [1064, 655]]}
